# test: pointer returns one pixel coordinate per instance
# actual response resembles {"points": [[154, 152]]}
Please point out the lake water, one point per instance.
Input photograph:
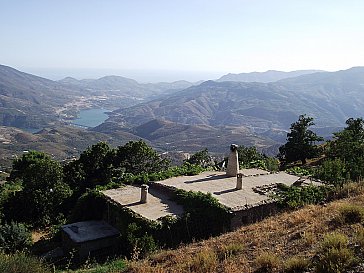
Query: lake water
{"points": [[91, 117]]}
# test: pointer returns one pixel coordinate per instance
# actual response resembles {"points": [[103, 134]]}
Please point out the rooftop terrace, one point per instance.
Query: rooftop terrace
{"points": [[159, 204], [224, 188], [255, 191]]}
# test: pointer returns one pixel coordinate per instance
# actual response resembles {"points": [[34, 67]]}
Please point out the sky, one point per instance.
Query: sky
{"points": [[165, 40]]}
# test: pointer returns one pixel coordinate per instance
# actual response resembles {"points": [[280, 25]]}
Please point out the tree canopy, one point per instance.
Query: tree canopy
{"points": [[42, 189], [201, 158], [348, 148], [300, 141], [137, 157]]}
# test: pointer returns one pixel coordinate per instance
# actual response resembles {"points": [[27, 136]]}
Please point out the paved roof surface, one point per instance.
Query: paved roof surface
{"points": [[224, 188], [159, 204], [216, 183], [89, 231]]}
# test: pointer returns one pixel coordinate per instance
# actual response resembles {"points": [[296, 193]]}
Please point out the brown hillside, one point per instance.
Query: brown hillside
{"points": [[291, 234]]}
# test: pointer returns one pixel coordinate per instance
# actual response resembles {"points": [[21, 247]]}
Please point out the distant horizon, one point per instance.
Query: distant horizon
{"points": [[141, 76], [161, 40]]}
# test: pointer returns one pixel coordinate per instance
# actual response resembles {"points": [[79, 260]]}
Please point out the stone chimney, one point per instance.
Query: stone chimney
{"points": [[233, 163], [144, 193], [239, 181]]}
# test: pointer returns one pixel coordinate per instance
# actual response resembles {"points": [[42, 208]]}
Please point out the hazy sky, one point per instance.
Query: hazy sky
{"points": [[171, 39]]}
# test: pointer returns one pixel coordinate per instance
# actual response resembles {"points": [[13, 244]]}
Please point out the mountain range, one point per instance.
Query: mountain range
{"points": [[329, 97], [184, 116], [268, 76]]}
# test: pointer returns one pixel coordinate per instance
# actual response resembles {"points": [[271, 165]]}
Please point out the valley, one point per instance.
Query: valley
{"points": [[170, 115]]}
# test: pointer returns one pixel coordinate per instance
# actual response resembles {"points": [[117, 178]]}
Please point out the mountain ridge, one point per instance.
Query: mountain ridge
{"points": [[267, 76]]}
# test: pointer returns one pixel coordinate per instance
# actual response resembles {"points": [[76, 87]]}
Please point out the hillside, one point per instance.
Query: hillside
{"points": [[170, 115], [29, 101], [60, 142], [268, 76], [114, 85], [329, 97], [171, 136], [291, 238]]}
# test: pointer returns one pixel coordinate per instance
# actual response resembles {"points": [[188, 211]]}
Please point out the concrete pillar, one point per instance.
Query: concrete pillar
{"points": [[233, 163], [144, 193], [239, 181]]}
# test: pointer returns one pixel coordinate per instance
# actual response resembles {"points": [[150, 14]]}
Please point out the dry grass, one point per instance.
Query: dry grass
{"points": [[291, 234], [296, 264]]}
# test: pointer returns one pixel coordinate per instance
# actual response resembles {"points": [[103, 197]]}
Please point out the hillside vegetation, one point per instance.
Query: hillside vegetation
{"points": [[290, 242], [41, 193]]}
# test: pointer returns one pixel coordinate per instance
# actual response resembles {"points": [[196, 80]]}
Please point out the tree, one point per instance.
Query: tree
{"points": [[248, 154], [139, 158], [43, 191], [14, 237], [300, 142], [91, 169], [20, 165], [348, 146], [201, 158]]}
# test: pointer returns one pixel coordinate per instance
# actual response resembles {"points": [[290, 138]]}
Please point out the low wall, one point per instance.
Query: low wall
{"points": [[253, 214]]}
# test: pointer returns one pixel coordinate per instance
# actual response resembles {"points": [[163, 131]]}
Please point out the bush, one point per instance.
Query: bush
{"points": [[334, 255], [299, 171], [296, 264], [110, 266], [205, 262], [333, 171], [348, 189], [204, 214], [359, 237], [350, 214], [89, 206], [139, 244], [295, 197], [230, 250], [267, 262], [271, 164], [21, 263], [14, 237]]}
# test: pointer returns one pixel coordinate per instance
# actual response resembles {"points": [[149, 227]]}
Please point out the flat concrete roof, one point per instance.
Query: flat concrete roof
{"points": [[159, 204], [224, 188], [89, 231]]}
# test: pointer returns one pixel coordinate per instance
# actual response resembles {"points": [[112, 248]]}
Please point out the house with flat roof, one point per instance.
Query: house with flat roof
{"points": [[89, 238], [248, 202]]}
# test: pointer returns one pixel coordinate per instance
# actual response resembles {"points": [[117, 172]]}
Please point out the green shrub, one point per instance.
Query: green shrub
{"points": [[267, 262], [271, 164], [299, 171], [139, 244], [204, 214], [186, 169], [112, 266], [89, 206], [14, 237], [295, 197], [334, 255], [296, 265], [21, 263], [333, 171], [350, 214]]}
